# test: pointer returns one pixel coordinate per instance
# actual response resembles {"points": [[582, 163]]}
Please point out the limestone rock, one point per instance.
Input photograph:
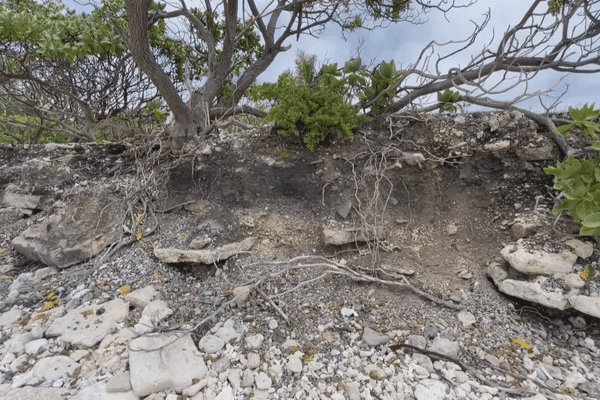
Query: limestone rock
{"points": [[582, 249], [586, 305], [162, 362], [86, 326], [339, 237], [241, 294], [430, 389], [152, 314], [497, 146], [39, 393], [444, 346], [76, 232], [466, 318], [141, 297], [204, 256], [46, 371], [538, 262], [99, 391], [532, 291]]}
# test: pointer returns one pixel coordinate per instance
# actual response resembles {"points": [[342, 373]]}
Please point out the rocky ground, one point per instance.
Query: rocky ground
{"points": [[418, 261]]}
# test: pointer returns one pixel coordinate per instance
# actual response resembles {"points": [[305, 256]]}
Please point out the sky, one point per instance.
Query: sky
{"points": [[403, 42]]}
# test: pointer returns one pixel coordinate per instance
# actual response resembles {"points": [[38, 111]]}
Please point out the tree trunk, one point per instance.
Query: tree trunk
{"points": [[183, 127]]}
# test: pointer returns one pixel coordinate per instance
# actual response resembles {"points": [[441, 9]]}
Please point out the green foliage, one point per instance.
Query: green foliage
{"points": [[154, 109], [384, 77], [583, 118], [448, 98], [579, 183], [310, 105], [554, 6], [24, 129]]}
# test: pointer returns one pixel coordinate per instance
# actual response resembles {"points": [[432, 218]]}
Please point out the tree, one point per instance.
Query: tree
{"points": [[238, 21]]}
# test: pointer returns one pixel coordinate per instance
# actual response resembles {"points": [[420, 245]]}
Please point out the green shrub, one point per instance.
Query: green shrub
{"points": [[310, 106], [579, 183]]}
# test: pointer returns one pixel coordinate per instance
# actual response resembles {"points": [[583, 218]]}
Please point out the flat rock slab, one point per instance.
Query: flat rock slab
{"points": [[78, 231], [162, 362], [47, 371], [538, 262], [98, 391], [204, 256], [86, 326], [586, 304], [37, 393]]}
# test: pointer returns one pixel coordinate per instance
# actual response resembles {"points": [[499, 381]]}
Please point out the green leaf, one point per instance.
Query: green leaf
{"points": [[565, 128], [592, 220], [584, 209], [586, 231], [352, 66]]}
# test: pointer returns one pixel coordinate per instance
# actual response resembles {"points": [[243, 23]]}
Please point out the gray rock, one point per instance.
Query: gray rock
{"points": [[532, 291], [241, 294], [344, 208], [247, 378], [87, 326], [353, 390], [204, 256], [200, 243], [162, 362], [39, 393], [538, 262], [587, 305], [211, 344], [497, 146], [263, 381], [523, 230], [25, 203], [98, 391], [444, 346], [417, 341], [582, 249], [76, 232], [338, 237], [429, 389], [372, 338], [23, 284], [591, 388], [221, 365], [541, 153], [234, 376], [119, 383], [253, 360], [423, 361]]}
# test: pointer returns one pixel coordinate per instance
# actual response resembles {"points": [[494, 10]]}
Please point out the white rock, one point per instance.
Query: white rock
{"points": [[162, 362], [253, 360], [444, 346], [429, 389], [263, 381], [497, 146], [273, 324], [247, 378], [466, 318], [226, 394], [228, 332], [141, 297], [11, 318], [98, 391], [254, 342], [532, 291], [586, 304], [153, 314], [294, 364], [123, 336], [46, 371], [211, 344], [538, 262], [582, 249], [86, 326], [241, 294], [35, 346], [37, 393]]}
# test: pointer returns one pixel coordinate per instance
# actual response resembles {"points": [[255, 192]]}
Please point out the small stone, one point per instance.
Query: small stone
{"points": [[247, 378], [211, 344], [372, 338], [416, 341], [429, 389], [445, 346], [221, 365], [348, 312], [353, 390], [254, 342], [466, 318], [141, 297], [35, 346], [253, 360], [241, 294], [11, 318], [582, 249], [344, 208], [451, 229], [226, 394], [294, 365], [273, 324], [119, 383], [199, 243], [263, 381], [497, 146]]}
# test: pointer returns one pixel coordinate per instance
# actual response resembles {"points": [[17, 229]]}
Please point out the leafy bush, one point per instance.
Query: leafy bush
{"points": [[583, 118], [310, 105], [579, 182], [448, 98]]}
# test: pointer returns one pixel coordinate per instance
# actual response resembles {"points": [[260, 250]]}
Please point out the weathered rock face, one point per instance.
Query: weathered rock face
{"points": [[77, 231], [538, 262]]}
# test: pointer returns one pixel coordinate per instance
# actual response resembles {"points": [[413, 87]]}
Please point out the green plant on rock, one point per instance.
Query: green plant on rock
{"points": [[448, 98], [579, 183], [583, 118], [380, 94]]}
